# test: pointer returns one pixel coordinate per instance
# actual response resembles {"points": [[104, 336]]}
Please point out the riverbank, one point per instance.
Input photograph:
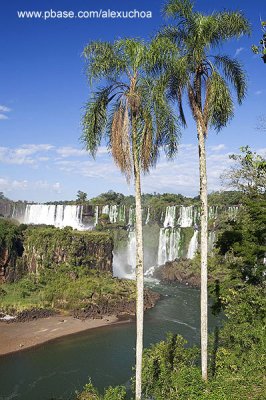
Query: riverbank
{"points": [[17, 336]]}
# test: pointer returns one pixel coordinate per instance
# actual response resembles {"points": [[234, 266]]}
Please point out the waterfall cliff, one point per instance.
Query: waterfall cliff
{"points": [[57, 215], [169, 233]]}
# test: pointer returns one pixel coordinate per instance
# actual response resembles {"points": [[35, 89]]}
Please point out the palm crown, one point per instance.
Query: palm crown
{"points": [[206, 78], [131, 111]]}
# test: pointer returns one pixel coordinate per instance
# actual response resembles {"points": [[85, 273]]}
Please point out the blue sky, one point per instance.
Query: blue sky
{"points": [[43, 89]]}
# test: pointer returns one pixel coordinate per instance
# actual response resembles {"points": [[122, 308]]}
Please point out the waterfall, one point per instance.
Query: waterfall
{"points": [[193, 245], [113, 213], [122, 214], [131, 216], [105, 210], [232, 212], [211, 240], [169, 220], [169, 238], [213, 212], [131, 250], [96, 216], [51, 214], [169, 243], [148, 216], [186, 217], [124, 263]]}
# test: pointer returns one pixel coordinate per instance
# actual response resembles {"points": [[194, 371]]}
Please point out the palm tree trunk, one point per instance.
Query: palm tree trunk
{"points": [[139, 277], [204, 252]]}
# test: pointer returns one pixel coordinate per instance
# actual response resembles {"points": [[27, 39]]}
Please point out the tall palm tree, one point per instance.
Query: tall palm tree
{"points": [[206, 79], [132, 112]]}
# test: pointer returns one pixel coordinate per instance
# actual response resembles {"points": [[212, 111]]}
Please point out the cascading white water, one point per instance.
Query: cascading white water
{"points": [[193, 245], [105, 210], [51, 214], [186, 216], [131, 250], [96, 215], [232, 211], [148, 216], [211, 240], [124, 263], [122, 214], [169, 243], [169, 220], [113, 213], [131, 217], [213, 212], [169, 238]]}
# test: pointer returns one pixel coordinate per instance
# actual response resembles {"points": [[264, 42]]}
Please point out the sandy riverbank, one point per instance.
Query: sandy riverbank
{"points": [[18, 336]]}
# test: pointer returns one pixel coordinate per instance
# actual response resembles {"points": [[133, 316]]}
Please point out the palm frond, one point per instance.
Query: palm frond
{"points": [[147, 149], [231, 24], [160, 54], [133, 51], [102, 61], [94, 120], [179, 9], [119, 140], [134, 110], [233, 72], [176, 34], [225, 25], [168, 132], [220, 104]]}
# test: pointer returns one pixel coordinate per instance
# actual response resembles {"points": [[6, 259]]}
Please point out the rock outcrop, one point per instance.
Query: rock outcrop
{"points": [[180, 271], [47, 247], [28, 249], [123, 308]]}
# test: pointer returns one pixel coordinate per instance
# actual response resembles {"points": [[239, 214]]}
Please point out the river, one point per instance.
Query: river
{"points": [[57, 369]]}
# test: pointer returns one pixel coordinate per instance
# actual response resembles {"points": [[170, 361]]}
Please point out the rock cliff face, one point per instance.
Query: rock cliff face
{"points": [[11, 249], [5, 208], [46, 247], [29, 249]]}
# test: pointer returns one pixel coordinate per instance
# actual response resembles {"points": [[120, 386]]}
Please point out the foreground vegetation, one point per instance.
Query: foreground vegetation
{"points": [[65, 289], [236, 358], [237, 351]]}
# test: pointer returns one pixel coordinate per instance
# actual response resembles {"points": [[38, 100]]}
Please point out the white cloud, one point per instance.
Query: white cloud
{"points": [[71, 152], [44, 185], [29, 149], [219, 147], [262, 151], [11, 185], [23, 154], [182, 175], [7, 185], [178, 176], [57, 187], [43, 158], [91, 169], [238, 51], [3, 111], [102, 150], [258, 92]]}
